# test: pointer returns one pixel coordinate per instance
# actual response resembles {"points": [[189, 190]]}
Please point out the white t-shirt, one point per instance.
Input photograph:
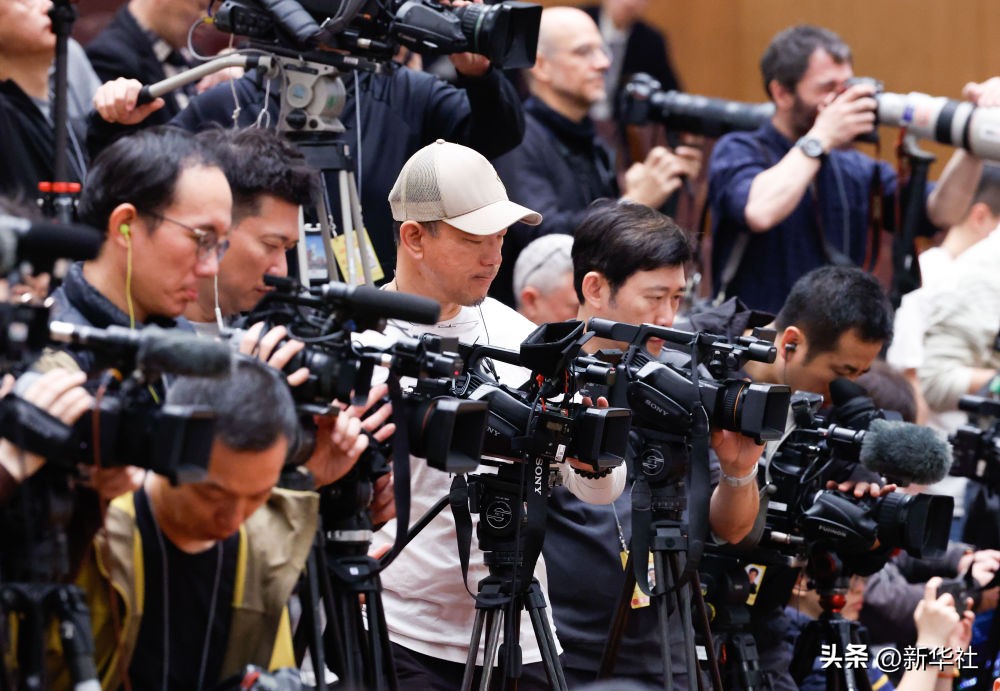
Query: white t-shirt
{"points": [[427, 607], [907, 348]]}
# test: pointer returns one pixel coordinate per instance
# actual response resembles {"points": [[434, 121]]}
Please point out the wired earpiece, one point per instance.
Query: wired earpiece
{"points": [[125, 230]]}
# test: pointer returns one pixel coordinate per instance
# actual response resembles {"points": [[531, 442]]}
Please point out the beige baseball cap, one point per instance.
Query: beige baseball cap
{"points": [[453, 183]]}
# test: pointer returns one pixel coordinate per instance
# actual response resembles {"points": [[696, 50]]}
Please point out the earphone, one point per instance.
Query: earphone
{"points": [[125, 230], [790, 348]]}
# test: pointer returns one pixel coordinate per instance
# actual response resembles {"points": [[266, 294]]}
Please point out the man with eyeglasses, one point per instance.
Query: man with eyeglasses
{"points": [[561, 166], [165, 207]]}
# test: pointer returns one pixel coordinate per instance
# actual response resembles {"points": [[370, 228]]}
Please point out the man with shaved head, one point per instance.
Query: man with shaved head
{"points": [[560, 166]]}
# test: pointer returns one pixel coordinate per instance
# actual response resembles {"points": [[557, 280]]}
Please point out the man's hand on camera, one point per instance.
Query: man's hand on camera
{"points": [[115, 102], [860, 489], [844, 117], [58, 392], [938, 622], [737, 453], [984, 94], [661, 174], [341, 440], [468, 64], [274, 348]]}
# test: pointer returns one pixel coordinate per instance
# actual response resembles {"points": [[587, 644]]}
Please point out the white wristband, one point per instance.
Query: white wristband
{"points": [[739, 481]]}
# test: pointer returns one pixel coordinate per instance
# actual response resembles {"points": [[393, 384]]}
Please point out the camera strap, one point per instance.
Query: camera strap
{"points": [[400, 470]]}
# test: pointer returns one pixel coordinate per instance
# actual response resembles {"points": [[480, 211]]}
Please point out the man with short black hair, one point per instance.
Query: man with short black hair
{"points": [[792, 195], [270, 181], [629, 266], [165, 208], [452, 213]]}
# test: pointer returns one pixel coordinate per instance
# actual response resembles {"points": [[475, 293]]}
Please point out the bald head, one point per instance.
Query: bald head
{"points": [[568, 75], [558, 25]]}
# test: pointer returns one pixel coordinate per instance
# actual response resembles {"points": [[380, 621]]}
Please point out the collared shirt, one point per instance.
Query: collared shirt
{"points": [[836, 205], [174, 62]]}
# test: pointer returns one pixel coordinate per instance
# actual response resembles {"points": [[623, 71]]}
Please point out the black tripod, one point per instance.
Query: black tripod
{"points": [[831, 629], [35, 564], [672, 589], [727, 588], [339, 577], [511, 540]]}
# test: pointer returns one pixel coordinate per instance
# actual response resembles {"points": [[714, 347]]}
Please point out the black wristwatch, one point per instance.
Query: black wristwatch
{"points": [[811, 147]]}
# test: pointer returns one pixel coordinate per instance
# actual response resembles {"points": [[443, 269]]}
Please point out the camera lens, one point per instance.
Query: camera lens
{"points": [[919, 524]]}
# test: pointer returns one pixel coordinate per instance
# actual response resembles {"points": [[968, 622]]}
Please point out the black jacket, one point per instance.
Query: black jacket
{"points": [[28, 146], [124, 49], [558, 170], [401, 112]]}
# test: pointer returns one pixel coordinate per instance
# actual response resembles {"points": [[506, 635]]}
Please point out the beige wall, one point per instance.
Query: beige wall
{"points": [[934, 46]]}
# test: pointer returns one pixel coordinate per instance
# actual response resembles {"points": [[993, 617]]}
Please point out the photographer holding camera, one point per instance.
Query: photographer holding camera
{"points": [[793, 195], [833, 325], [190, 583], [452, 213], [628, 263], [165, 207], [394, 112], [562, 166]]}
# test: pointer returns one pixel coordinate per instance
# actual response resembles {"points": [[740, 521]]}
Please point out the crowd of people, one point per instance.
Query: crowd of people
{"points": [[508, 214]]}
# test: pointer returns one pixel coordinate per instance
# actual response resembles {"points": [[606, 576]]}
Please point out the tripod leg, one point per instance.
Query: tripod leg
{"points": [[610, 655], [359, 226], [706, 631], [482, 616], [347, 227], [382, 674], [535, 604], [323, 212], [494, 622], [687, 625], [310, 630], [661, 593], [75, 632]]}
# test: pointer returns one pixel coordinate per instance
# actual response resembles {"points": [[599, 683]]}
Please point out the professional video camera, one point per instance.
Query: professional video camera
{"points": [[661, 395], [518, 423], [444, 430], [976, 445], [127, 426], [506, 33], [801, 512]]}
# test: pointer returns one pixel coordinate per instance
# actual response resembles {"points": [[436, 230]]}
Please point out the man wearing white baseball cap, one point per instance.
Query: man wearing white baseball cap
{"points": [[451, 213]]}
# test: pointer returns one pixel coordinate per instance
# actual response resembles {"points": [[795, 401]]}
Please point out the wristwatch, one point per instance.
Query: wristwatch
{"points": [[811, 147]]}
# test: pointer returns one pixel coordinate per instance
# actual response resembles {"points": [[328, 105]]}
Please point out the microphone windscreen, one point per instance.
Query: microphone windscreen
{"points": [[904, 452], [182, 353]]}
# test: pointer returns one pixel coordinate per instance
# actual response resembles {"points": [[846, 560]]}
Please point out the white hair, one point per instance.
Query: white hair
{"points": [[543, 264]]}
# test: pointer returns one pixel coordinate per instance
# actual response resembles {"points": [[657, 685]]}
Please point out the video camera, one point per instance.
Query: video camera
{"points": [[976, 445], [802, 513], [528, 421], [506, 33], [661, 394], [128, 426]]}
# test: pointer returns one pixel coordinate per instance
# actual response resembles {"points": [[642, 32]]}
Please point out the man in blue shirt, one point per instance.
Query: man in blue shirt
{"points": [[792, 195]]}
